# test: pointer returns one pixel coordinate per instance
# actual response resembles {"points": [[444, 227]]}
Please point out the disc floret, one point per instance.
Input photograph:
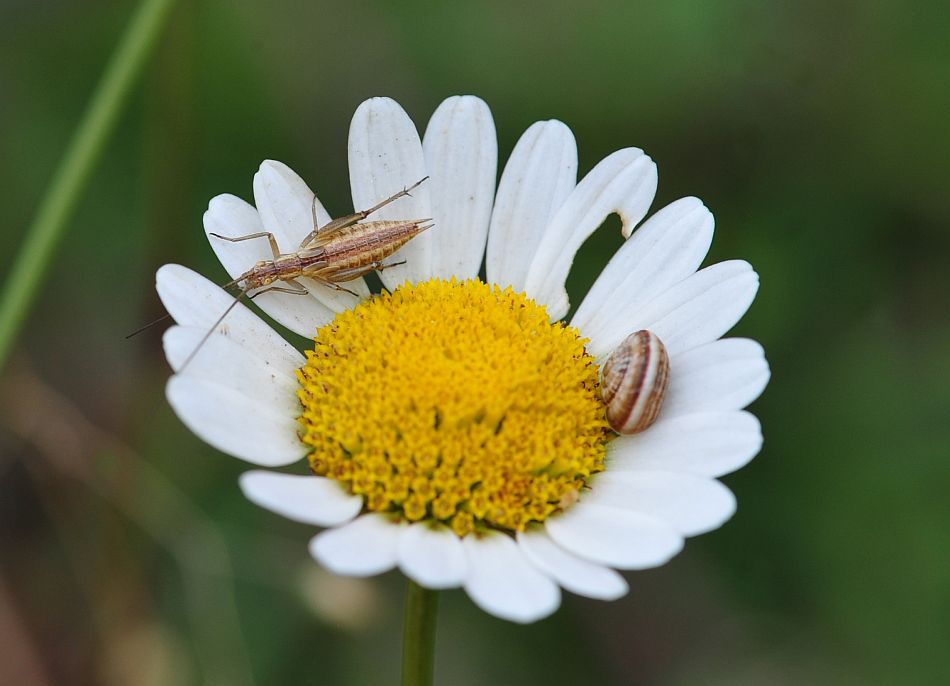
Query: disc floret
{"points": [[453, 401]]}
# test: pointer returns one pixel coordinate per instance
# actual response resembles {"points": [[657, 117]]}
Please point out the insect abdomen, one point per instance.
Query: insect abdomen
{"points": [[363, 244]]}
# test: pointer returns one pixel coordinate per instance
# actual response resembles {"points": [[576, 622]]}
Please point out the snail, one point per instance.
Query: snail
{"points": [[635, 379]]}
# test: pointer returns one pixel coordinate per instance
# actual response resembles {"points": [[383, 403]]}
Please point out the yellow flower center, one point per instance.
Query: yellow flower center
{"points": [[455, 402]]}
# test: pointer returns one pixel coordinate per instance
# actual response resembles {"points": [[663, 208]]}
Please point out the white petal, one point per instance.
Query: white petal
{"points": [[615, 537], [727, 374], [363, 547], [222, 361], [708, 444], [234, 423], [502, 582], [576, 575], [285, 203], [691, 504], [623, 183], [697, 310], [230, 216], [192, 300], [385, 157], [432, 556], [664, 250], [461, 153], [537, 179], [306, 499]]}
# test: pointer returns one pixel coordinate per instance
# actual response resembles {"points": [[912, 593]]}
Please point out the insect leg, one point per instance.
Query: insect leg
{"points": [[379, 266], [392, 198], [300, 290], [350, 219], [335, 286], [316, 224], [262, 234], [353, 273]]}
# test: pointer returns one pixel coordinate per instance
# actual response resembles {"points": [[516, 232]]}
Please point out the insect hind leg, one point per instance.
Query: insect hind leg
{"points": [[335, 286], [350, 219], [392, 198], [357, 272]]}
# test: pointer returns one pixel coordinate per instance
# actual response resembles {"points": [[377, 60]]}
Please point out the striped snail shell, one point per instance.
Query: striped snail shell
{"points": [[635, 379]]}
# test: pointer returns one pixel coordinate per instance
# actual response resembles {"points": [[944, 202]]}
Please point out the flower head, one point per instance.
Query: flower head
{"points": [[455, 428]]}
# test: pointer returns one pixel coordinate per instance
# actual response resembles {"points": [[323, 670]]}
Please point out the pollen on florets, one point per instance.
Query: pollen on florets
{"points": [[454, 401]]}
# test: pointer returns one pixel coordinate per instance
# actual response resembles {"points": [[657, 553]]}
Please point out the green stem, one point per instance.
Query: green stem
{"points": [[418, 637], [75, 169]]}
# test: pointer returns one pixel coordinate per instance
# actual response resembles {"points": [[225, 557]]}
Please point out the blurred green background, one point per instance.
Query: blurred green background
{"points": [[819, 135]]}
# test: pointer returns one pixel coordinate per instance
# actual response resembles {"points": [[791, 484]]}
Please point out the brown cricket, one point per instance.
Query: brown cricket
{"points": [[342, 250]]}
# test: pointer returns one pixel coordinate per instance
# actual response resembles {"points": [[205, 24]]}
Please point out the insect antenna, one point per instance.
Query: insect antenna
{"points": [[148, 326], [204, 339], [152, 323]]}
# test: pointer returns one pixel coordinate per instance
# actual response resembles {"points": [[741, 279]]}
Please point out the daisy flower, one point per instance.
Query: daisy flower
{"points": [[455, 428]]}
